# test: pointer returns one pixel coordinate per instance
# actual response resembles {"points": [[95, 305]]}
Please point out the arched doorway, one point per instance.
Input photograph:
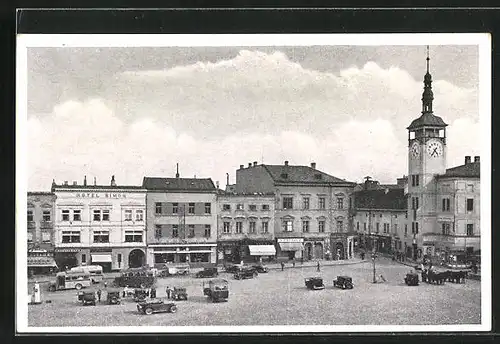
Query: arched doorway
{"points": [[136, 258], [339, 251], [318, 251], [308, 249]]}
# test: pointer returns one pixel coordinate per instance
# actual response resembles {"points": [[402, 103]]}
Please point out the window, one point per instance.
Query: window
{"points": [[414, 202], [30, 216], [414, 227], [364, 226], [305, 203], [30, 237], [191, 208], [340, 203], [305, 226], [386, 228], [340, 226], [445, 228], [128, 215], [175, 208], [46, 215], [252, 207], [208, 208], [357, 225], [239, 206], [226, 227], [446, 204], [158, 233], [251, 228], [97, 215], [395, 228], [208, 229], [470, 204], [105, 215], [415, 180], [77, 215], [226, 207], [133, 236], [158, 208], [265, 227], [239, 227], [139, 215], [287, 226], [65, 215], [470, 229], [406, 229], [175, 231], [84, 258], [70, 236], [287, 202], [191, 231], [101, 236], [322, 203], [119, 259], [46, 237], [265, 207], [321, 226], [377, 227]]}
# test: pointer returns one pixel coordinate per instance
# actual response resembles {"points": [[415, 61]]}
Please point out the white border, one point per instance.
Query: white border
{"points": [[25, 41]]}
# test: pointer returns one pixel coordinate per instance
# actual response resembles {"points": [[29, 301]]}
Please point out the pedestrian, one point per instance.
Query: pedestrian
{"points": [[153, 293], [317, 267], [293, 262], [99, 295], [302, 260], [105, 284], [282, 266], [168, 292]]}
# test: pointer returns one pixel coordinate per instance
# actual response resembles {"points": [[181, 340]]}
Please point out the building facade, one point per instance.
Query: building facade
{"points": [[245, 226], [100, 224], [309, 206], [181, 221]]}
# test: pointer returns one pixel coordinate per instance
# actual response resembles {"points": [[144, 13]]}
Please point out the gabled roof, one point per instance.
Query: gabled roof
{"points": [[380, 199], [427, 120], [179, 184], [301, 174], [470, 170]]}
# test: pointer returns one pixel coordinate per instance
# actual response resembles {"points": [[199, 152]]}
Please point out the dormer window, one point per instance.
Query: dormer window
{"points": [[318, 176], [284, 176]]}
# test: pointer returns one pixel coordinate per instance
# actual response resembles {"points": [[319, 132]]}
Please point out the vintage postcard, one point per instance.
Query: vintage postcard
{"points": [[253, 183]]}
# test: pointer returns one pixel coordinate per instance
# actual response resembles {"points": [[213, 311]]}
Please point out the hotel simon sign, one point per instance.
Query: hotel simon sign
{"points": [[100, 195]]}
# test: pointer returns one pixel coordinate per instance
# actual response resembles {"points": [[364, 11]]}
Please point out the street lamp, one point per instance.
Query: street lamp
{"points": [[374, 256]]}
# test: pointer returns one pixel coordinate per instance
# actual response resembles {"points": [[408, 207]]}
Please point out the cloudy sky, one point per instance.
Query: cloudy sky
{"points": [[136, 112]]}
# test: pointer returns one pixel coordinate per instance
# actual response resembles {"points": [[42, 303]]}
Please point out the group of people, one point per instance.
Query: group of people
{"points": [[127, 291]]}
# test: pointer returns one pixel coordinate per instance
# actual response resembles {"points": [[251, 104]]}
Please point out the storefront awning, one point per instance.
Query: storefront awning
{"points": [[101, 258], [262, 250], [41, 262], [291, 246]]}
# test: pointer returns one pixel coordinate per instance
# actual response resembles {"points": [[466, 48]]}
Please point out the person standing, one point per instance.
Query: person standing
{"points": [[99, 295], [317, 267], [293, 262], [282, 266], [153, 293], [168, 292]]}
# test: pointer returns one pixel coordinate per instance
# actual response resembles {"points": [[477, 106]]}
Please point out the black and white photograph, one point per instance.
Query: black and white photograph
{"points": [[253, 183]]}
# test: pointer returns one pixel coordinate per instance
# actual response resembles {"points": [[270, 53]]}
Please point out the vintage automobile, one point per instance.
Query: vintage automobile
{"points": [[411, 279], [156, 306], [216, 290], [314, 283], [260, 268], [179, 294], [179, 269], [231, 268], [140, 295], [113, 297], [136, 278], [88, 298], [207, 272], [245, 273], [343, 282]]}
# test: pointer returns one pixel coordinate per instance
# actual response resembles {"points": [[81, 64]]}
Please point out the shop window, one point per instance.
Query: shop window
{"points": [[265, 227], [305, 226], [77, 215], [139, 215], [97, 215], [65, 215], [305, 203], [133, 236], [175, 208], [191, 231], [105, 215], [287, 226], [101, 236], [470, 204], [226, 227], [208, 208], [239, 227], [322, 203], [199, 257], [252, 207], [158, 232], [128, 215], [226, 207], [265, 207], [30, 216], [208, 230], [340, 203], [46, 216], [470, 229], [321, 226], [287, 202], [191, 208], [70, 237], [251, 228], [175, 231]]}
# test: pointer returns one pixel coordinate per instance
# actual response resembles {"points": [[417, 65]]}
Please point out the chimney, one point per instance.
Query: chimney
{"points": [[95, 181], [286, 162], [249, 164], [217, 184], [53, 182], [255, 163], [313, 165], [113, 182], [227, 178], [476, 159], [74, 182], [467, 159], [65, 182], [177, 173], [85, 181], [241, 167]]}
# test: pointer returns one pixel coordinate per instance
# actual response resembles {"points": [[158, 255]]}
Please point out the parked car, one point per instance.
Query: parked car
{"points": [[245, 273], [88, 298], [179, 294], [216, 290], [140, 295], [113, 297], [314, 283], [207, 272], [344, 282], [136, 278], [260, 268], [411, 279], [231, 268], [156, 306]]}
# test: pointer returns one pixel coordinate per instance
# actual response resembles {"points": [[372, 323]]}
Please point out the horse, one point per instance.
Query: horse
{"points": [[457, 276], [437, 278]]}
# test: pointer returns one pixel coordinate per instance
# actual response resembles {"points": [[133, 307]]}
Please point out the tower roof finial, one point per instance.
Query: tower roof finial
{"points": [[177, 173], [427, 59]]}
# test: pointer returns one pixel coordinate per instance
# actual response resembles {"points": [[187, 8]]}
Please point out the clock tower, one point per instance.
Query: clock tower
{"points": [[426, 159]]}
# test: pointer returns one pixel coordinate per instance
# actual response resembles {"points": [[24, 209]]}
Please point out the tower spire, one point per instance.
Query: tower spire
{"points": [[427, 96], [428, 59], [177, 173]]}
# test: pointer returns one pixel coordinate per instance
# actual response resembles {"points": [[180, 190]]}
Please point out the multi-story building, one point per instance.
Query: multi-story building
{"points": [[245, 226], [310, 206], [181, 220], [40, 231], [100, 224]]}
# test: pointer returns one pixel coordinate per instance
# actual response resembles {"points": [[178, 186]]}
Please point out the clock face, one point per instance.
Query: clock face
{"points": [[434, 148], [415, 150]]}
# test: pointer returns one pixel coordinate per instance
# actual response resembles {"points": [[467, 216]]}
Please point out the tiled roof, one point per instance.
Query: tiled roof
{"points": [[470, 170], [380, 199], [96, 187], [179, 184], [40, 193], [427, 119], [301, 174]]}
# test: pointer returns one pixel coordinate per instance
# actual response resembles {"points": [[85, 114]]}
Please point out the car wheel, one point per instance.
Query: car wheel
{"points": [[148, 311], [173, 309], [78, 286], [118, 302]]}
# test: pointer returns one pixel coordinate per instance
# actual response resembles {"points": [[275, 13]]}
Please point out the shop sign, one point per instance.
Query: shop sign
{"points": [[300, 240], [68, 250], [314, 239], [100, 195], [101, 249]]}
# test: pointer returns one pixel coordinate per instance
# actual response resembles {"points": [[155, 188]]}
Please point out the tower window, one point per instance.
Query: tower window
{"points": [[415, 180]]}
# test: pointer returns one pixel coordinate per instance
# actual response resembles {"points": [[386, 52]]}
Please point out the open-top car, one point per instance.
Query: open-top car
{"points": [[179, 294], [260, 268], [344, 282], [113, 297], [314, 283], [207, 272], [216, 290], [245, 273], [156, 306], [88, 298], [411, 279]]}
